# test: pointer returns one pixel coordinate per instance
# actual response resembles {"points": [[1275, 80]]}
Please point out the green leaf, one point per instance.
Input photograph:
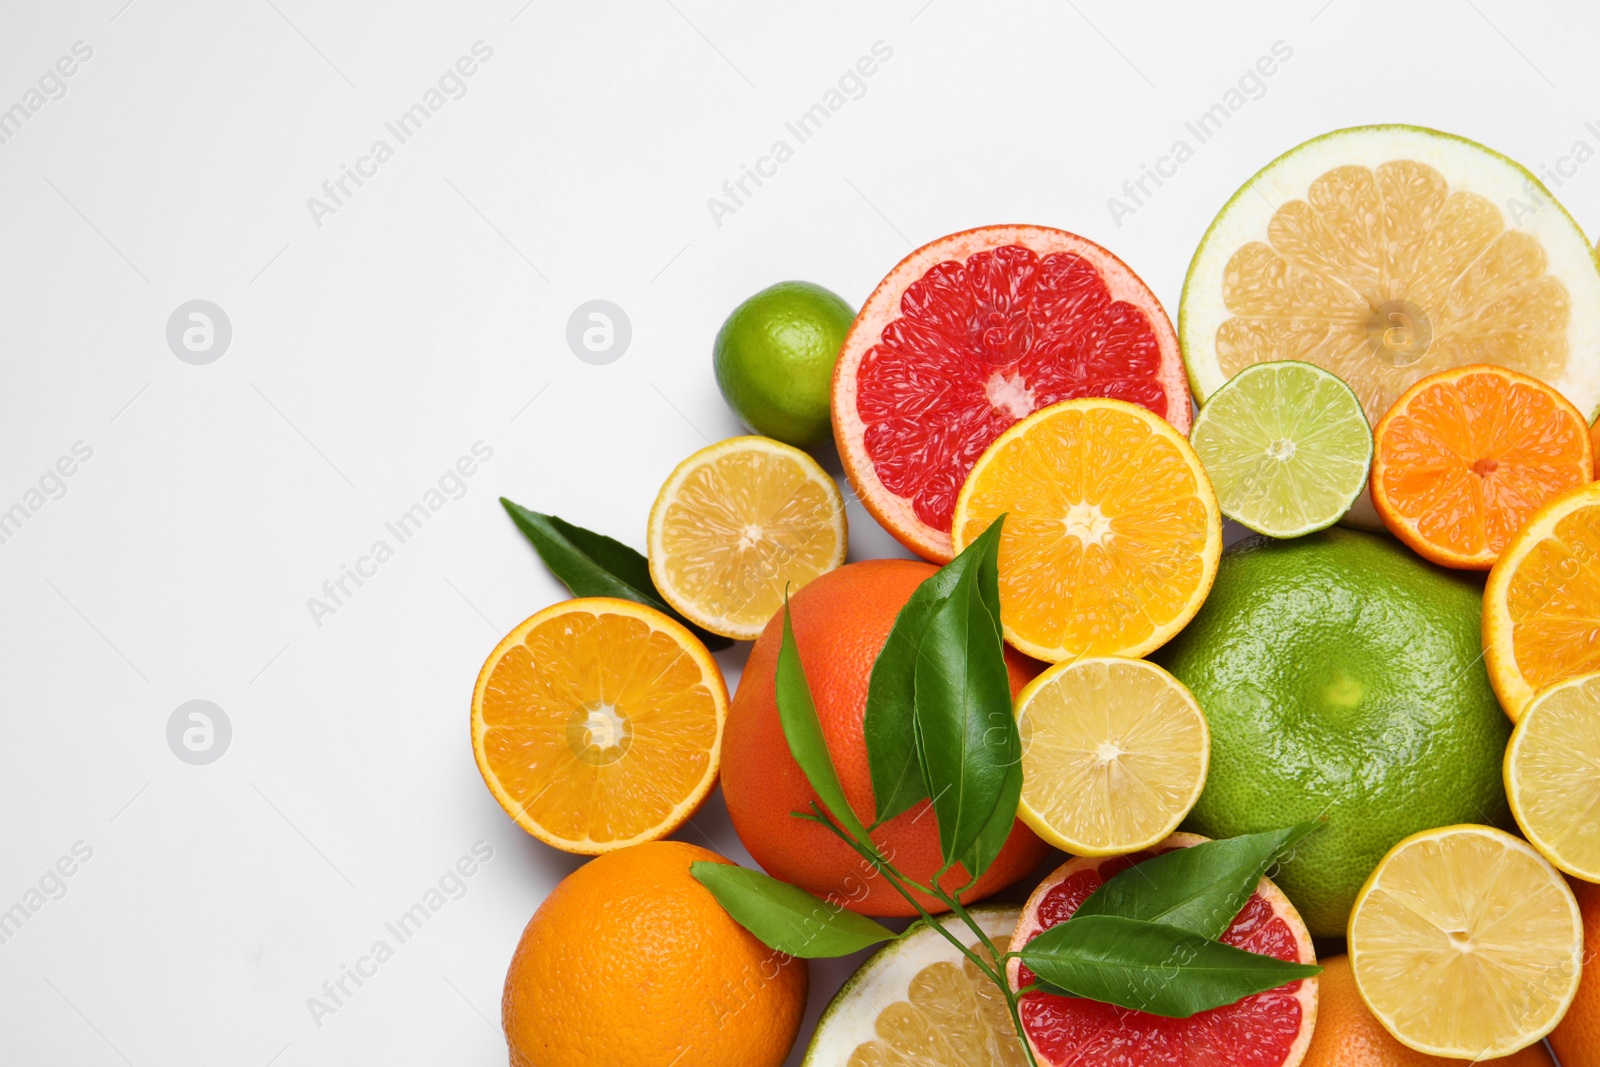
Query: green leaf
{"points": [[963, 714], [798, 715], [1201, 888], [1002, 733], [591, 564], [888, 721], [785, 917], [1152, 967]]}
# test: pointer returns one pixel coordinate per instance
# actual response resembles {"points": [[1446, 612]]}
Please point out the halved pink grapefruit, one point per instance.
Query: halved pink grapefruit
{"points": [[969, 334], [1271, 1029]]}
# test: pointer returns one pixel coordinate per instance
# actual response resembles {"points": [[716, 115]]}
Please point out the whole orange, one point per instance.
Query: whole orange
{"points": [[1347, 1035], [1576, 1038], [630, 960], [841, 620]]}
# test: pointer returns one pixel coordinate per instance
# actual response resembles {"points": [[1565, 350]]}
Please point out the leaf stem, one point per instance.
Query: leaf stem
{"points": [[993, 968]]}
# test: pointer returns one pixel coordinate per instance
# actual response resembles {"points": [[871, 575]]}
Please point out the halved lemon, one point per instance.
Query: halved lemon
{"points": [[1466, 943], [1552, 772], [1112, 534], [920, 1002], [1541, 606], [735, 524], [1114, 754], [597, 724], [1388, 253]]}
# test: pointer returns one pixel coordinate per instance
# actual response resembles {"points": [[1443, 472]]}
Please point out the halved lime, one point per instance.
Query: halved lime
{"points": [[1287, 447]]}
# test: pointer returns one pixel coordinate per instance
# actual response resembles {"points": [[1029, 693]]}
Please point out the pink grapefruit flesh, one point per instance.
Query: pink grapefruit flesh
{"points": [[1271, 1029], [973, 332]]}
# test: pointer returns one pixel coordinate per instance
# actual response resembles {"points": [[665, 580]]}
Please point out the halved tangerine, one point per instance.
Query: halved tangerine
{"points": [[597, 724], [1270, 1029], [1465, 456], [969, 334]]}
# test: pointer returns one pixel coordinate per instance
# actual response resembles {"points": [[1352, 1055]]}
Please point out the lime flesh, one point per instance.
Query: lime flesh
{"points": [[1287, 447]]}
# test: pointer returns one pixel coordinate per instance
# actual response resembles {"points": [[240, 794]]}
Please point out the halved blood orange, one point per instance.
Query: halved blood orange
{"points": [[1270, 1029], [1465, 456], [969, 334]]}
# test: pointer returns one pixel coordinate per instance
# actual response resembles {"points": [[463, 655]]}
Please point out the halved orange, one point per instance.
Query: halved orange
{"points": [[597, 724], [1465, 456], [1541, 606], [1112, 534]]}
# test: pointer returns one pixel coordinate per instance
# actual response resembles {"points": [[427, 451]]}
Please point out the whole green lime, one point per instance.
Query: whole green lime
{"points": [[774, 360], [1342, 676]]}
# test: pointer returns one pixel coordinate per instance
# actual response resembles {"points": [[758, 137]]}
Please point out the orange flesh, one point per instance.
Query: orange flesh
{"points": [[598, 727], [1384, 276], [1105, 545], [1464, 461], [1554, 602]]}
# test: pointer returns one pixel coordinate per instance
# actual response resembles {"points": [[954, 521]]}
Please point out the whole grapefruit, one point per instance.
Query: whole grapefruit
{"points": [[841, 620], [1341, 676]]}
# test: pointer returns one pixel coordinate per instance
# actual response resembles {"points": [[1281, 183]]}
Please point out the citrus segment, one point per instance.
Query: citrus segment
{"points": [[596, 724], [1552, 772], [1286, 446], [1114, 754], [1112, 533], [1270, 1029], [1466, 943], [735, 524], [972, 332], [920, 1003], [1387, 253], [1465, 456], [1541, 606]]}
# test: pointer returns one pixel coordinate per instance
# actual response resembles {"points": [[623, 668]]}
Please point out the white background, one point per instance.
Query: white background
{"points": [[429, 313]]}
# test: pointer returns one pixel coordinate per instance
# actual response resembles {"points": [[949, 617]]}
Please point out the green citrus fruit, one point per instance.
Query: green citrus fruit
{"points": [[774, 360], [1342, 676]]}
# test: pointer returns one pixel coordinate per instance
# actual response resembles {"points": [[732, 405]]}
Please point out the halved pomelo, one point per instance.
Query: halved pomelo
{"points": [[1388, 253], [969, 334], [1271, 1029], [920, 1003]]}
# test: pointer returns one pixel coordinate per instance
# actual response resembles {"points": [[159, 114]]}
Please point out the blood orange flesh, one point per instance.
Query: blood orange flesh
{"points": [[973, 332], [1271, 1029]]}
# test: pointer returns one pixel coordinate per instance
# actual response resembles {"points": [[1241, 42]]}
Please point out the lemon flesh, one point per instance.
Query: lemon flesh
{"points": [[737, 523], [1465, 943], [1114, 754], [1553, 775]]}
